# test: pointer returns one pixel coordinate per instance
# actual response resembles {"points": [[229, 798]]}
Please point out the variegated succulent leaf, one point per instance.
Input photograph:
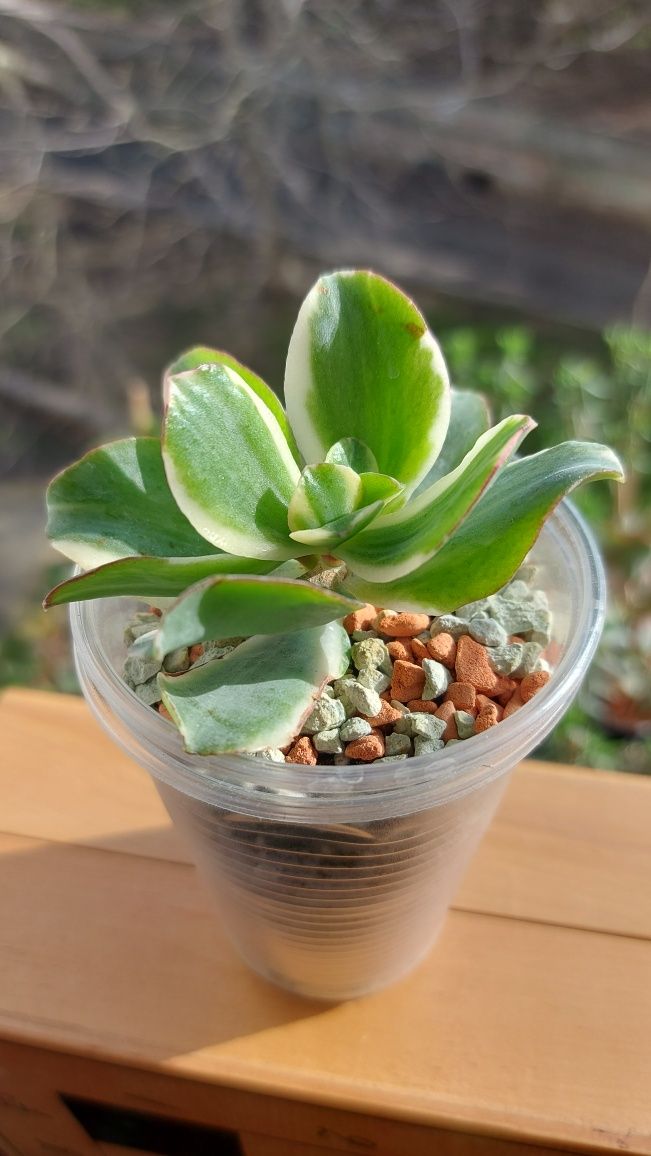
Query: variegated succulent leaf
{"points": [[405, 484]]}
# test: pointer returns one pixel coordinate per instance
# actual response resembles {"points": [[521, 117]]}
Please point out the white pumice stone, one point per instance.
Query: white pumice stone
{"points": [[372, 652], [390, 759], [450, 741], [328, 742], [539, 599], [518, 590], [448, 624], [527, 572], [148, 692], [427, 726], [437, 679], [397, 744], [356, 697], [328, 691], [140, 670], [471, 609], [505, 659], [326, 713], [465, 723], [487, 631], [423, 746], [541, 630], [374, 679], [362, 635], [271, 754], [400, 706], [177, 660], [530, 656], [542, 665], [515, 617], [354, 728]]}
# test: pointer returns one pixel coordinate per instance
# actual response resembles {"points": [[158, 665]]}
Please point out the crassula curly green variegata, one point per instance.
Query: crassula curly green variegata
{"points": [[376, 463]]}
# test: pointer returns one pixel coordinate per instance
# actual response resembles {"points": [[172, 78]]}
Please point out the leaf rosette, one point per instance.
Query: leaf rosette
{"points": [[376, 464]]}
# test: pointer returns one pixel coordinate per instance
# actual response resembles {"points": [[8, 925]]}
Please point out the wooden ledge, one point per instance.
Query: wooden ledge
{"points": [[530, 1021]]}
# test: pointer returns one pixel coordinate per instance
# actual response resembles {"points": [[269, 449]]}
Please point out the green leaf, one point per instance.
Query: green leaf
{"points": [[331, 535], [240, 605], [150, 577], [324, 492], [361, 363], [496, 536], [259, 694], [469, 419], [400, 542], [228, 463], [116, 502], [202, 355], [332, 502], [354, 453]]}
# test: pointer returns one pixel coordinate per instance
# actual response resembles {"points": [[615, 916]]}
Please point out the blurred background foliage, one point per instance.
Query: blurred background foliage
{"points": [[174, 173]]}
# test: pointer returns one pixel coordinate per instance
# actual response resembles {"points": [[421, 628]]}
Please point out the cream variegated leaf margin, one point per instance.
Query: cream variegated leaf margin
{"points": [[228, 463], [489, 545], [362, 364], [469, 419], [115, 502], [203, 355], [398, 543], [259, 694]]}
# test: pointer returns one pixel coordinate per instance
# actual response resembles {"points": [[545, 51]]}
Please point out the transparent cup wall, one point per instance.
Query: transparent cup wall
{"points": [[334, 881]]}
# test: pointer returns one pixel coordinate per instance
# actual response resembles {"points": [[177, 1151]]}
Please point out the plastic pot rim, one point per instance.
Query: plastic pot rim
{"points": [[325, 794]]}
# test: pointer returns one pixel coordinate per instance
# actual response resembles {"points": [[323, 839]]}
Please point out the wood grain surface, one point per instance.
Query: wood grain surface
{"points": [[531, 1020]]}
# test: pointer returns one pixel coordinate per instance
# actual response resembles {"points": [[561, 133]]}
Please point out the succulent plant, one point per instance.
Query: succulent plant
{"points": [[378, 483]]}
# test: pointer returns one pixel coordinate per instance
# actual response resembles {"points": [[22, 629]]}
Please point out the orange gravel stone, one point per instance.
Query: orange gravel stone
{"points": [[302, 751], [482, 702], [514, 703], [361, 619], [155, 610], [408, 681], [472, 665], [419, 649], [487, 718], [195, 652], [504, 686], [462, 694], [367, 748], [443, 648], [504, 699], [400, 648], [403, 625], [162, 709], [387, 716], [446, 712], [422, 705], [532, 683]]}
